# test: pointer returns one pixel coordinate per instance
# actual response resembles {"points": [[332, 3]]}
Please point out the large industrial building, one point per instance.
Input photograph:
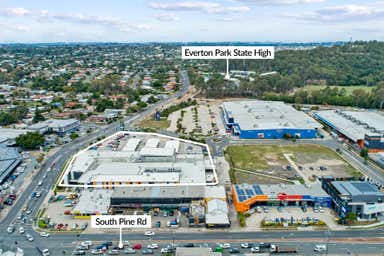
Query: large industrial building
{"points": [[359, 197], [248, 196], [365, 128], [267, 120], [59, 126], [140, 159], [9, 160]]}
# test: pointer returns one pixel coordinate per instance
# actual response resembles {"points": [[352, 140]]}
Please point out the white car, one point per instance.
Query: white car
{"points": [[10, 229], [45, 252], [21, 230], [44, 234], [245, 245], [255, 249], [226, 246], [129, 251], [165, 250], [153, 246], [149, 233], [96, 252], [29, 237], [320, 248], [40, 183], [86, 243]]}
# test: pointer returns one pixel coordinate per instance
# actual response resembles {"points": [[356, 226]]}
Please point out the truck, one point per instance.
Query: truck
{"points": [[278, 249]]}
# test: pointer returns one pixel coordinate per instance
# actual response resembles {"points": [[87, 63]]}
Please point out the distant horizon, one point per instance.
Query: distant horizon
{"points": [[186, 42], [39, 21]]}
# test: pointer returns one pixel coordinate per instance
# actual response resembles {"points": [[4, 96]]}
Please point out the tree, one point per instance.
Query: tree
{"points": [[103, 104], [7, 118], [73, 136], [30, 140], [38, 116], [351, 218]]}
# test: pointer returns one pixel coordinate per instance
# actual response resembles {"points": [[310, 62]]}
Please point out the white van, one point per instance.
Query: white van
{"points": [[320, 248]]}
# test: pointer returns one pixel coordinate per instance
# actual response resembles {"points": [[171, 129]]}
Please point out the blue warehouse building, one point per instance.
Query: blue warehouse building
{"points": [[267, 120]]}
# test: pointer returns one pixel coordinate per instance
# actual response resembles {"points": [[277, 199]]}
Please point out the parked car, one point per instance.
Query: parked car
{"points": [[234, 250], [113, 252], [129, 251], [147, 251], [10, 229], [153, 246]]}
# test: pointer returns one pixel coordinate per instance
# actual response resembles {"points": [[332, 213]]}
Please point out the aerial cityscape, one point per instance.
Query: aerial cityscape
{"points": [[191, 128]]}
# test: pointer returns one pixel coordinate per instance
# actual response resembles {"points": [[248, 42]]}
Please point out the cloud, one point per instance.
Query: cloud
{"points": [[208, 7], [341, 13], [46, 16], [281, 2], [167, 17]]}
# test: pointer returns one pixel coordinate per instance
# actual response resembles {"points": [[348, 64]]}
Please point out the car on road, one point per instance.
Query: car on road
{"points": [[40, 183], [129, 251], [29, 237], [149, 233], [21, 230], [320, 248], [44, 234], [45, 252], [153, 246], [147, 251]]}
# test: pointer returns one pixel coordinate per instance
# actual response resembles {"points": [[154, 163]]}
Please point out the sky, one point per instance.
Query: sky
{"points": [[32, 21]]}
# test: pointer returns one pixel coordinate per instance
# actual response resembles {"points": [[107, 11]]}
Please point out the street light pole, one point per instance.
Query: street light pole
{"points": [[121, 239]]}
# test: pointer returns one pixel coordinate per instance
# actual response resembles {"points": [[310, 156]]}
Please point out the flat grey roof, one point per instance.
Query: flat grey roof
{"points": [[258, 115], [294, 189], [9, 159], [10, 134], [356, 188], [354, 124]]}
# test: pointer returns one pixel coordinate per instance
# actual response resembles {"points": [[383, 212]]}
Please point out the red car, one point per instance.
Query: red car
{"points": [[137, 246]]}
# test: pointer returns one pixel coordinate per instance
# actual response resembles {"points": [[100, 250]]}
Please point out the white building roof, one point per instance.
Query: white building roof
{"points": [[132, 144], [259, 115], [158, 152], [152, 143]]}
